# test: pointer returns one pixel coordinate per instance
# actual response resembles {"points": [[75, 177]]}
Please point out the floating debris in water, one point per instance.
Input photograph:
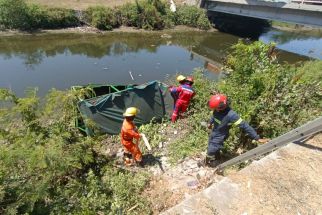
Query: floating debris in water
{"points": [[130, 72], [166, 36], [105, 68], [140, 75]]}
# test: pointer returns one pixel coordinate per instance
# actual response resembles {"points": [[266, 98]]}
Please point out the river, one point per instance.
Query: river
{"points": [[61, 60]]}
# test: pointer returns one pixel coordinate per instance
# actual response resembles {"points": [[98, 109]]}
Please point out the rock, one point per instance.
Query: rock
{"points": [[193, 184], [203, 124], [119, 153], [187, 195], [202, 173]]}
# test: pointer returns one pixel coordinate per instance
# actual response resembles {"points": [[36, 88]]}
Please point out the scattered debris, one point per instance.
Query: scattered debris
{"points": [[130, 72], [172, 6], [166, 36]]}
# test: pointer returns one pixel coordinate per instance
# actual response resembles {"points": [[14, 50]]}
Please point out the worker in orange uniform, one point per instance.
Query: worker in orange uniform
{"points": [[183, 95], [129, 133]]}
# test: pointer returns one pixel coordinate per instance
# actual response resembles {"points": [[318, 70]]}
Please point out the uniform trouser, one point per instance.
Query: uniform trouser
{"points": [[214, 146], [132, 148], [179, 108]]}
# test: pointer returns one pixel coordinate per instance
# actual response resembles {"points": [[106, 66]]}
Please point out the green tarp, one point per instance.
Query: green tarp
{"points": [[152, 99]]}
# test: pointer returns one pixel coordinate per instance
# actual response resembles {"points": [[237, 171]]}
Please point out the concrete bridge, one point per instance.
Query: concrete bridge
{"points": [[308, 12]]}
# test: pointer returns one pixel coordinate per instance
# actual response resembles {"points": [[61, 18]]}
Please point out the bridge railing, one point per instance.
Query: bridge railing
{"points": [[314, 2]]}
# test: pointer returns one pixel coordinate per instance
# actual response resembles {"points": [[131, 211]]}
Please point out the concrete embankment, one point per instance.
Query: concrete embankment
{"points": [[287, 181]]}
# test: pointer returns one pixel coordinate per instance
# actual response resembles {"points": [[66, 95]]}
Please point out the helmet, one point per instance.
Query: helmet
{"points": [[181, 78], [131, 111], [190, 79], [218, 102]]}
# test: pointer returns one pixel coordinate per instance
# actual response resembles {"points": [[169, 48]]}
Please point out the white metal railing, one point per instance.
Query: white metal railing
{"points": [[315, 2]]}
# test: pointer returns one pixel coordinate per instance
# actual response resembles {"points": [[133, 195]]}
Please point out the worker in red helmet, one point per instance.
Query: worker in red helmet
{"points": [[183, 95], [222, 120]]}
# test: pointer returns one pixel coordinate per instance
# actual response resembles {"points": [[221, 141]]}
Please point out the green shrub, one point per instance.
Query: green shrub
{"points": [[102, 17], [14, 14], [129, 14], [192, 16], [147, 14], [60, 18], [47, 168], [51, 18], [274, 98]]}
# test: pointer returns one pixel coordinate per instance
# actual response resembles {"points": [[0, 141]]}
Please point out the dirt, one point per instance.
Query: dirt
{"points": [[289, 183], [178, 182], [92, 30]]}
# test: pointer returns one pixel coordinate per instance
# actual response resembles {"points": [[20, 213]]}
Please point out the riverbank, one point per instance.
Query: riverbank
{"points": [[142, 14], [304, 29], [92, 30]]}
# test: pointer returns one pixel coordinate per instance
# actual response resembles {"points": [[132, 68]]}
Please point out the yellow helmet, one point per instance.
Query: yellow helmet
{"points": [[180, 78], [131, 111]]}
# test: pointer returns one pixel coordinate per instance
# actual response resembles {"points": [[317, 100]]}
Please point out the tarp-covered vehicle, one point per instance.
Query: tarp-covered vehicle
{"points": [[108, 103]]}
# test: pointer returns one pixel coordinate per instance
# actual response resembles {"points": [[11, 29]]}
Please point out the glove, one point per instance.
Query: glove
{"points": [[263, 140]]}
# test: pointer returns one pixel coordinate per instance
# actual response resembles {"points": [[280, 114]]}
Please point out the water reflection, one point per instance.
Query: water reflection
{"points": [[303, 44], [62, 60]]}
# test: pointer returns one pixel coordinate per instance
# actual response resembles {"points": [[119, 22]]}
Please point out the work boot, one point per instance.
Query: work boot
{"points": [[140, 164], [211, 161]]}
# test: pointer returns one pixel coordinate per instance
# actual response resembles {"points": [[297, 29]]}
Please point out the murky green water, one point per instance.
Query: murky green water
{"points": [[62, 60]]}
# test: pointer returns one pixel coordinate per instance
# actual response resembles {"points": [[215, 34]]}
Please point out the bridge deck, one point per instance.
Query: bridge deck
{"points": [[301, 13]]}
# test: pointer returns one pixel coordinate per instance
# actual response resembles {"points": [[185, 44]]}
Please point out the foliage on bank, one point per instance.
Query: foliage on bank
{"points": [[274, 98], [17, 14], [46, 167], [145, 14]]}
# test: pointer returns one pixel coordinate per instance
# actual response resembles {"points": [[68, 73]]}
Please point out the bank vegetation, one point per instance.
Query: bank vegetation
{"points": [[142, 14], [48, 167]]}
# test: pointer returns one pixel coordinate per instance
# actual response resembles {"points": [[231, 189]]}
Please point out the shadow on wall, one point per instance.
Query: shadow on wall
{"points": [[239, 25]]}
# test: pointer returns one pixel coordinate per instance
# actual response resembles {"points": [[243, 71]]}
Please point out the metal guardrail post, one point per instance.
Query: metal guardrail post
{"points": [[303, 131]]}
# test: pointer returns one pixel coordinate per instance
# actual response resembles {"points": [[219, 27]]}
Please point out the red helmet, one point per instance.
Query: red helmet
{"points": [[190, 79], [218, 102]]}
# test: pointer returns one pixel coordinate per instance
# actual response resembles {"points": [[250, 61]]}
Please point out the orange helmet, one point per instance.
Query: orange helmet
{"points": [[218, 102]]}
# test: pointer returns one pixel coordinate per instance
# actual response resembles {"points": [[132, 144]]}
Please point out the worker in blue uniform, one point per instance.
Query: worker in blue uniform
{"points": [[222, 120]]}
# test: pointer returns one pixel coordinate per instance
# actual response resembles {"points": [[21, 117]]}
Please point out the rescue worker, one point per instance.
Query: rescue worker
{"points": [[222, 120], [129, 133], [183, 95]]}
